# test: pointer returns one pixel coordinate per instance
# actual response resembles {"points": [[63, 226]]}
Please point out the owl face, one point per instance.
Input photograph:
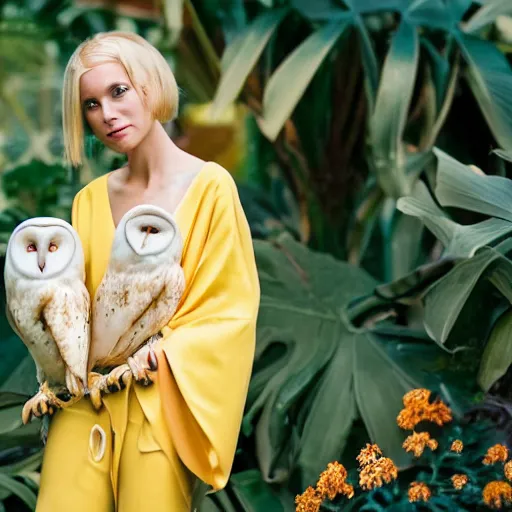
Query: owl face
{"points": [[43, 248], [147, 233]]}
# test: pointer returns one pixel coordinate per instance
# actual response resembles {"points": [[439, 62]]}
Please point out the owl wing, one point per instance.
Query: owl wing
{"points": [[66, 314], [12, 321], [149, 312]]}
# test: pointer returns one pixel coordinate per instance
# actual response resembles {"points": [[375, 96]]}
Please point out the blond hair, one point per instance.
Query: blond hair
{"points": [[147, 69]]}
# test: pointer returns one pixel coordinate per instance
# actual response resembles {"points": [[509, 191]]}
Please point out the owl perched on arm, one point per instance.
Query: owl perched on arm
{"points": [[138, 295], [48, 307]]}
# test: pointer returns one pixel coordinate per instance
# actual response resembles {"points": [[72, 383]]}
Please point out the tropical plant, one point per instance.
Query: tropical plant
{"points": [[353, 95]]}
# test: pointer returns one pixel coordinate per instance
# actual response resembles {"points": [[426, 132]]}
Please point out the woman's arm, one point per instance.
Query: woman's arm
{"points": [[207, 353]]}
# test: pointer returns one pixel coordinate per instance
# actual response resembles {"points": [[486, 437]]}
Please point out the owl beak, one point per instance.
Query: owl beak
{"points": [[148, 229], [40, 261]]}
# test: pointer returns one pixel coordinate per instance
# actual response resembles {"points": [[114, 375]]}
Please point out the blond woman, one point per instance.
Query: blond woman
{"points": [[149, 447]]}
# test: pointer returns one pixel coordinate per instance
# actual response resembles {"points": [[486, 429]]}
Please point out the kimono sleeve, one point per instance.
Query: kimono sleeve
{"points": [[207, 353]]}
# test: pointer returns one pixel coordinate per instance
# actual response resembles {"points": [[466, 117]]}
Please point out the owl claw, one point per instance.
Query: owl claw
{"points": [[113, 382], [38, 405]]}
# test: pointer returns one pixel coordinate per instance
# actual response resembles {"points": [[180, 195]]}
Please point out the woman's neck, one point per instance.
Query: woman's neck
{"points": [[149, 161]]}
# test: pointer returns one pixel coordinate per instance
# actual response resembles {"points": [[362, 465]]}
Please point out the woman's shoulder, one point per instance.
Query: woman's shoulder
{"points": [[217, 178]]}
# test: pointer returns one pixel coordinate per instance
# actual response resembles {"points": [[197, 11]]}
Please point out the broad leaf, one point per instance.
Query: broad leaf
{"points": [[249, 48], [457, 185], [430, 13], [392, 105], [488, 14], [20, 490], [490, 79], [314, 370], [497, 356], [458, 240], [320, 10], [446, 299], [289, 81]]}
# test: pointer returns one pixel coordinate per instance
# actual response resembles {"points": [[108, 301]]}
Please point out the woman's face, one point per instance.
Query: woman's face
{"points": [[113, 108]]}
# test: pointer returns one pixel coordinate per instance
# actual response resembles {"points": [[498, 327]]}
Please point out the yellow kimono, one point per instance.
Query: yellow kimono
{"points": [[161, 439]]}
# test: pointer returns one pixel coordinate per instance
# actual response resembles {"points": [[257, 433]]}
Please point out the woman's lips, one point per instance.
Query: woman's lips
{"points": [[120, 133]]}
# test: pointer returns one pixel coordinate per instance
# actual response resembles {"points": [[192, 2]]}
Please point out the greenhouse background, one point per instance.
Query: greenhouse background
{"points": [[371, 143]]}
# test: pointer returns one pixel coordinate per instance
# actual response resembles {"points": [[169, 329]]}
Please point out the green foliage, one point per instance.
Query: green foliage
{"points": [[316, 372], [298, 64]]}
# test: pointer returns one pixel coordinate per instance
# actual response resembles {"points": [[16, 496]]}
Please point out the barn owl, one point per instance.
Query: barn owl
{"points": [[137, 296], [48, 307]]}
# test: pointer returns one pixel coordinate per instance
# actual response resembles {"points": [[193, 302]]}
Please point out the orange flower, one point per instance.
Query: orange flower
{"points": [[332, 481], [496, 453], [415, 397], [457, 446], [308, 501], [418, 491], [376, 473], [459, 481], [418, 441], [418, 408], [508, 470], [369, 454], [497, 493]]}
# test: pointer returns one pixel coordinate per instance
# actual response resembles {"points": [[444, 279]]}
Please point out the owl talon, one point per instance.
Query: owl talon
{"points": [[152, 361], [39, 405]]}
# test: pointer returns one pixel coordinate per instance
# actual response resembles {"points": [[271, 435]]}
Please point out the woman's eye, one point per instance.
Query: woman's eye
{"points": [[89, 105], [120, 90], [31, 248], [52, 247]]}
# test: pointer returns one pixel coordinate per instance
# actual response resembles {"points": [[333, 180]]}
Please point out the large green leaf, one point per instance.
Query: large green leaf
{"points": [[323, 369], [488, 14], [490, 78], [248, 49], [457, 185], [446, 299], [289, 81], [459, 240], [430, 13], [388, 120], [20, 490], [497, 356]]}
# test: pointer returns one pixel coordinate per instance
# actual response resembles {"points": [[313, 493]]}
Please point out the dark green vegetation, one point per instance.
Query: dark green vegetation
{"points": [[384, 259]]}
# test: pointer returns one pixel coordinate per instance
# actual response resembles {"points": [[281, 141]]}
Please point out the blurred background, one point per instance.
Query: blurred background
{"points": [[371, 143]]}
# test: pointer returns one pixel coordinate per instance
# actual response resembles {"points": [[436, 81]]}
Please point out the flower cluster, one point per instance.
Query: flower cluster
{"points": [[375, 470], [332, 482], [418, 491], [418, 441], [457, 446], [508, 470], [418, 408], [459, 481], [308, 501], [496, 494], [496, 453]]}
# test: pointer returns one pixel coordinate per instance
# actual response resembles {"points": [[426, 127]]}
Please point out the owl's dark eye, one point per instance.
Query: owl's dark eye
{"points": [[53, 247], [31, 248], [150, 229]]}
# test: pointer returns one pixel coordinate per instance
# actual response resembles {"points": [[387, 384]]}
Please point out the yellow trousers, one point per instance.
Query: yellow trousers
{"points": [[110, 460]]}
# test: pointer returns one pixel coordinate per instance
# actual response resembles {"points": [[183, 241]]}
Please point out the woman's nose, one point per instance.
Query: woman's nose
{"points": [[109, 114]]}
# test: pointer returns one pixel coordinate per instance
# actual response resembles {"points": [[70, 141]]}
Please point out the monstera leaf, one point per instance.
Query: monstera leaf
{"points": [[315, 372]]}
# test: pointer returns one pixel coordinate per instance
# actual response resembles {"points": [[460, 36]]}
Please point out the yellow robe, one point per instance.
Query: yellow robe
{"points": [[205, 357]]}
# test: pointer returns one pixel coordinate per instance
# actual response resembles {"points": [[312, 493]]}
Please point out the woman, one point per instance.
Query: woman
{"points": [[157, 442]]}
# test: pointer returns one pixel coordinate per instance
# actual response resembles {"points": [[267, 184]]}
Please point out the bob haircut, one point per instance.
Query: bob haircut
{"points": [[148, 71]]}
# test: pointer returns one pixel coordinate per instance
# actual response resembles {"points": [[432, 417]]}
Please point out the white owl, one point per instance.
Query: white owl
{"points": [[48, 307], [137, 296]]}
